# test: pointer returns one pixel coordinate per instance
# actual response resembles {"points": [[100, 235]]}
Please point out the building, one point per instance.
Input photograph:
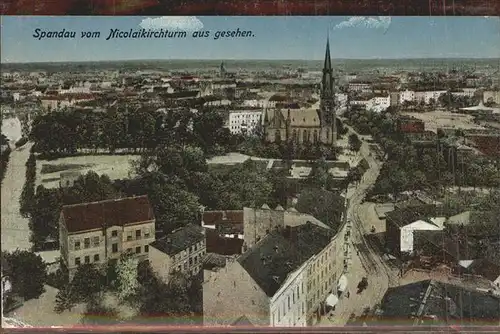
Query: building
{"points": [[100, 231], [429, 302], [277, 282], [244, 121], [307, 125], [402, 223], [223, 231], [182, 251]]}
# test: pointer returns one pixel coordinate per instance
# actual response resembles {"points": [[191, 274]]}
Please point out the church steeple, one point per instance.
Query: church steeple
{"points": [[327, 81]]}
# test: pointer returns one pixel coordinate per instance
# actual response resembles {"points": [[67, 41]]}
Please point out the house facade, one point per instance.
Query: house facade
{"points": [[100, 231], [182, 251]]}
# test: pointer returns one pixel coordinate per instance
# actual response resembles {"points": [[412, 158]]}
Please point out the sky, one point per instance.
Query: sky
{"points": [[278, 37]]}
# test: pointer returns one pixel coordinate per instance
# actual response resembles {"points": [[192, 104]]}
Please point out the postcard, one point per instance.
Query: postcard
{"points": [[229, 172]]}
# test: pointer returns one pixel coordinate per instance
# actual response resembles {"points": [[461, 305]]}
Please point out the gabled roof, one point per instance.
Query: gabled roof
{"points": [[180, 239], [103, 214], [281, 252]]}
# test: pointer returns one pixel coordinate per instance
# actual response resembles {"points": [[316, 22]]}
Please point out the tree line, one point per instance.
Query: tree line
{"points": [[133, 131]]}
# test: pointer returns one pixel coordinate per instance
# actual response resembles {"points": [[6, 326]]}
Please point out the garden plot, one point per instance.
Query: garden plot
{"points": [[115, 166]]}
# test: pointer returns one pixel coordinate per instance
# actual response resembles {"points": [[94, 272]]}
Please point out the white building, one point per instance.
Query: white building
{"points": [[407, 231], [288, 305], [244, 121], [426, 96], [379, 103], [406, 96]]}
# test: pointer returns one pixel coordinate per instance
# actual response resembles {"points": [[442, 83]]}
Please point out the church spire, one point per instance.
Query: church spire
{"points": [[327, 81]]}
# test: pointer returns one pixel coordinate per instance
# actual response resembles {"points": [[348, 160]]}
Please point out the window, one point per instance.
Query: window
{"points": [[114, 233], [146, 249], [137, 250], [77, 261], [288, 303], [129, 235], [190, 261], [87, 259], [86, 243], [293, 297], [77, 245], [114, 248], [298, 293], [96, 241], [137, 234], [185, 265], [178, 268], [146, 233], [96, 258]]}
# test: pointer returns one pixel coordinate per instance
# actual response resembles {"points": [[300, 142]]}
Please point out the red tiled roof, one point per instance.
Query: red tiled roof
{"points": [[117, 212], [214, 217]]}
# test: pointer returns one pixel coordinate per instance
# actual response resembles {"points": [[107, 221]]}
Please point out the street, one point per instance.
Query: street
{"points": [[365, 258], [15, 228]]}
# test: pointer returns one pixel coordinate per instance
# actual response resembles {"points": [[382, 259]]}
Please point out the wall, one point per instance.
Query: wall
{"points": [[231, 293], [91, 251], [288, 305], [407, 233], [256, 223], [161, 263]]}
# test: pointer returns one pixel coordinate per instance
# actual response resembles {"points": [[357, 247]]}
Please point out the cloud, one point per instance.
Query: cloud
{"points": [[176, 23], [380, 22]]}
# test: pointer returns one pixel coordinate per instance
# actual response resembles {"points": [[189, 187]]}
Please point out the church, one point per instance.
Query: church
{"points": [[306, 125]]}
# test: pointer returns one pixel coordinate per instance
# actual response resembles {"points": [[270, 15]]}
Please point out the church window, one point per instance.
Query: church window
{"points": [[304, 137], [278, 136], [315, 136]]}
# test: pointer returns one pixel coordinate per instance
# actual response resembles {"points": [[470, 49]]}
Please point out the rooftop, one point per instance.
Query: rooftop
{"points": [[180, 239], [281, 252], [441, 302], [103, 214]]}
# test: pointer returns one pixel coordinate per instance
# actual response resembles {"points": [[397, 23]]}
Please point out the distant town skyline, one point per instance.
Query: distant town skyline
{"points": [[274, 38]]}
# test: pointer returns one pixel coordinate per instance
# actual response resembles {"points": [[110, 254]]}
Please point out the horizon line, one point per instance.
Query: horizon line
{"points": [[248, 59]]}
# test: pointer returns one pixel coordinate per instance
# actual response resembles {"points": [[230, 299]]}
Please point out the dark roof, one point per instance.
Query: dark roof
{"points": [[229, 216], [221, 245], [430, 243], [180, 239], [212, 260], [446, 302], [404, 216], [485, 268], [115, 212], [281, 252]]}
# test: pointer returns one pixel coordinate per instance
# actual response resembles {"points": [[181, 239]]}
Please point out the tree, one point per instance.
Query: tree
{"points": [[354, 142], [324, 205], [127, 277], [64, 300], [27, 272], [87, 282]]}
